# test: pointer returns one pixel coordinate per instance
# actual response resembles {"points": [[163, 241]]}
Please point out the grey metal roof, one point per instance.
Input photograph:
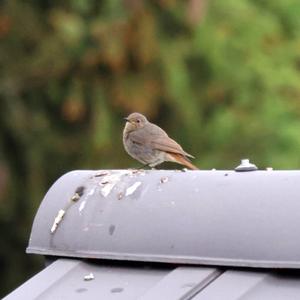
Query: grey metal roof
{"points": [[196, 217], [64, 279]]}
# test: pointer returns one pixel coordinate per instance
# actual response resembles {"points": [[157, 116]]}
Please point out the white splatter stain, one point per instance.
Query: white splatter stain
{"points": [[107, 189], [57, 220], [132, 189], [82, 205], [91, 192], [120, 195], [164, 179], [89, 277], [101, 173], [109, 181]]}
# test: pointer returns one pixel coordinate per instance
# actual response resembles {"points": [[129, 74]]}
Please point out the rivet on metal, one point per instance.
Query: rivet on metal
{"points": [[246, 166]]}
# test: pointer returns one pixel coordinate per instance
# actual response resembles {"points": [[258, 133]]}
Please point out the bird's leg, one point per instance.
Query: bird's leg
{"points": [[147, 165], [152, 166]]}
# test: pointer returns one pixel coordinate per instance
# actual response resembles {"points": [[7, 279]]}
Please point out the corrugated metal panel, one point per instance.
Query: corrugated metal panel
{"points": [[182, 283], [233, 284], [64, 279], [206, 217], [246, 285]]}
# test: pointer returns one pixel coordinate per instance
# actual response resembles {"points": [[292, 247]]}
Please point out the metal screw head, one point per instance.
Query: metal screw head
{"points": [[246, 166]]}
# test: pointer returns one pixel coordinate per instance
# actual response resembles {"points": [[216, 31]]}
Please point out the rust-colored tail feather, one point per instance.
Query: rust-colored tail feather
{"points": [[183, 161]]}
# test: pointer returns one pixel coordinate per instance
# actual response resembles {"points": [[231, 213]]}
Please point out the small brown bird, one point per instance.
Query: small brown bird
{"points": [[150, 145]]}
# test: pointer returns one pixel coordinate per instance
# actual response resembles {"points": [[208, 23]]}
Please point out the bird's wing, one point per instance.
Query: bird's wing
{"points": [[169, 145], [158, 139]]}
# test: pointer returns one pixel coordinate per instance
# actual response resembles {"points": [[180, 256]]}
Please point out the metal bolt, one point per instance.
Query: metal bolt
{"points": [[246, 166]]}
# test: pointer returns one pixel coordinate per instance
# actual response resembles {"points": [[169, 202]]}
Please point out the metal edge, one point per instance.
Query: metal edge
{"points": [[175, 259]]}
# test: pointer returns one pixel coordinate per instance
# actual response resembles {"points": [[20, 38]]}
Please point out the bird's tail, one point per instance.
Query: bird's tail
{"points": [[180, 159]]}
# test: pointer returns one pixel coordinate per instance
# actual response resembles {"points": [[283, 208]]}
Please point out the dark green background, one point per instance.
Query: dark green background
{"points": [[221, 76]]}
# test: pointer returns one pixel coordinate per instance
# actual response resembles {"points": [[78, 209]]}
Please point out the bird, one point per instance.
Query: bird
{"points": [[150, 144]]}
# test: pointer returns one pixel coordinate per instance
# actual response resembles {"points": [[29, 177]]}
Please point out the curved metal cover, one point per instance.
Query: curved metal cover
{"points": [[198, 217]]}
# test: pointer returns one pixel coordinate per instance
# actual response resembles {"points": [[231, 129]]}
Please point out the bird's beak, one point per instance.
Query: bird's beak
{"points": [[126, 119]]}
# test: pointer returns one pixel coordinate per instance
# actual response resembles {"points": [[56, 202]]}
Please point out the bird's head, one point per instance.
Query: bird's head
{"points": [[135, 121]]}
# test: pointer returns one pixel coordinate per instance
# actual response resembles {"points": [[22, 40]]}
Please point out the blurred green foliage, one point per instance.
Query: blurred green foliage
{"points": [[222, 77]]}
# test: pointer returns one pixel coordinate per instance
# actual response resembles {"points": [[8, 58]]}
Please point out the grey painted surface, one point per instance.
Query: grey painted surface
{"points": [[64, 279], [233, 284], [182, 283], [200, 217], [245, 285]]}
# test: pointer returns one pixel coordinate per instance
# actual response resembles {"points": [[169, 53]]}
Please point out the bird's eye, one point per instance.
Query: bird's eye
{"points": [[138, 121]]}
